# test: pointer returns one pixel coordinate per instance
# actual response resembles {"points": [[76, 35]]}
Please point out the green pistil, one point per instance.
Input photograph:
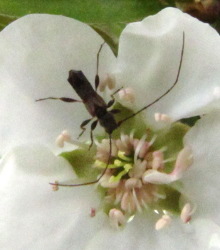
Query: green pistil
{"points": [[118, 177], [122, 156], [101, 164], [123, 163]]}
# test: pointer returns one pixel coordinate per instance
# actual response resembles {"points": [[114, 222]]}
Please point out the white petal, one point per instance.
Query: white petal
{"points": [[36, 54], [149, 57], [140, 234], [37, 218], [207, 233], [201, 180], [32, 215]]}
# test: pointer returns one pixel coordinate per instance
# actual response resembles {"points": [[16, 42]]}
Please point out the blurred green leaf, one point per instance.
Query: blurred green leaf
{"points": [[109, 15], [106, 33], [5, 20]]}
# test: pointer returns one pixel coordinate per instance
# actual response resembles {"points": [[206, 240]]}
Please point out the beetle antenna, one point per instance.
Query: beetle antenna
{"points": [[97, 80], [173, 85], [90, 182]]}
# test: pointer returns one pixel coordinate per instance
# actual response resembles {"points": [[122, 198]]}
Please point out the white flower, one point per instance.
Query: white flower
{"points": [[36, 53]]}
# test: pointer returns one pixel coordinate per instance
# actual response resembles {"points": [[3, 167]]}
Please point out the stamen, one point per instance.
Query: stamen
{"points": [[55, 186], [187, 212], [163, 149], [157, 162], [123, 146], [125, 139], [65, 137], [136, 201], [117, 218], [169, 160], [138, 147], [109, 81], [92, 212], [184, 160], [119, 196], [133, 183], [156, 177], [127, 202], [159, 196], [60, 141], [144, 149], [153, 140], [138, 169], [127, 94], [162, 117], [144, 204], [163, 222]]}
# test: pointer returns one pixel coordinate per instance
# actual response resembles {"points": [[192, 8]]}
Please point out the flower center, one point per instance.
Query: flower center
{"points": [[135, 178]]}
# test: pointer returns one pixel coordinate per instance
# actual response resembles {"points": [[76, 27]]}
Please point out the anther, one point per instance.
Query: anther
{"points": [[109, 81], [183, 161], [66, 135], [143, 150], [92, 212], [186, 213], [157, 177], [60, 141], [127, 94], [163, 222], [63, 137], [127, 202], [117, 218], [158, 158], [55, 186], [162, 117], [133, 183]]}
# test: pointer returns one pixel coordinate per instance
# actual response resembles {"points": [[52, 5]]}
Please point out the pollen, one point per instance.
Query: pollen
{"points": [[135, 178]]}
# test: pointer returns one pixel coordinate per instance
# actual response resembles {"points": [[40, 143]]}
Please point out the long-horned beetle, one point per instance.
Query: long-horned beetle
{"points": [[98, 108]]}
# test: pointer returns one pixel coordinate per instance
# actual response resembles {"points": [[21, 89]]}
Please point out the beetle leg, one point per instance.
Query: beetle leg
{"points": [[93, 126], [115, 111], [82, 126], [110, 103]]}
